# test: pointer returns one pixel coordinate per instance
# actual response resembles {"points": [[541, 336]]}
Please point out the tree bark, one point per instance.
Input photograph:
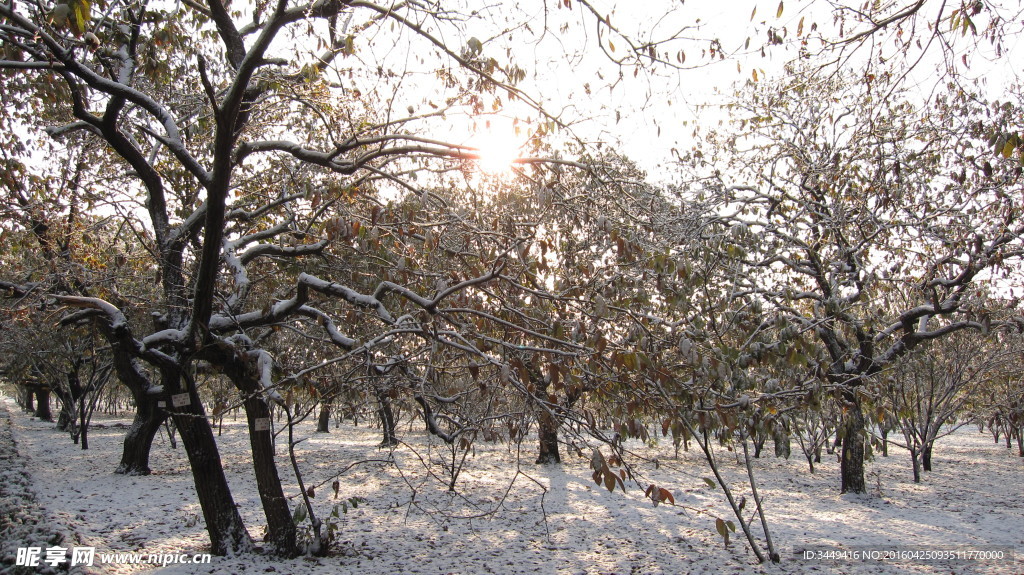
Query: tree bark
{"points": [[547, 429], [66, 419], [281, 532], [228, 534], [547, 422], [83, 425], [851, 466], [138, 440], [387, 419], [43, 403], [323, 421], [548, 438], [926, 457]]}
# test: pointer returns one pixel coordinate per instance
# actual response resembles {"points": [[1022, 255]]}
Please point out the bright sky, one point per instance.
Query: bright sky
{"points": [[649, 114]]}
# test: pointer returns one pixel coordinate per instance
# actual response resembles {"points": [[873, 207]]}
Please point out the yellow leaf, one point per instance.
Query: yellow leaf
{"points": [[1008, 148], [778, 13]]}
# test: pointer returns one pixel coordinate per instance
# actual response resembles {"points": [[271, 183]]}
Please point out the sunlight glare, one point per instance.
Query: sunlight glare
{"points": [[498, 147]]}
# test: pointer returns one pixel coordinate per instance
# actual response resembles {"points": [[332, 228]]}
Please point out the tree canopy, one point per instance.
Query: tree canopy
{"points": [[290, 195]]}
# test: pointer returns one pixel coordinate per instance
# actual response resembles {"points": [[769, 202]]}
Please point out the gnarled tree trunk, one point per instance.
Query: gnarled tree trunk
{"points": [[547, 424], [281, 531], [323, 421], [138, 440], [387, 419], [43, 403], [29, 405], [224, 524], [851, 466]]}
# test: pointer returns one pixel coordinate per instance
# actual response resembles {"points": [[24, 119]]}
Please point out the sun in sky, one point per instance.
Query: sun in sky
{"points": [[498, 142]]}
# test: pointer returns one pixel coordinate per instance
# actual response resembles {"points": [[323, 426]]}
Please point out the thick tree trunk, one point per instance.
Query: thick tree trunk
{"points": [[547, 422], [138, 440], [29, 405], [69, 397], [228, 534], [43, 404], [281, 532], [851, 464], [223, 522], [547, 432], [66, 419], [323, 421], [783, 443], [885, 443], [915, 457], [280, 526], [387, 420], [926, 457]]}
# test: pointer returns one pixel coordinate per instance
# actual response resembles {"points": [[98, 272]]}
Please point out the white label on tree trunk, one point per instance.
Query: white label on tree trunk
{"points": [[262, 424], [161, 404], [180, 400]]}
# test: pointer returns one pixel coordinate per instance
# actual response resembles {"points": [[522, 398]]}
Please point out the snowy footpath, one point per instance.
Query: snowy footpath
{"points": [[508, 515], [23, 521]]}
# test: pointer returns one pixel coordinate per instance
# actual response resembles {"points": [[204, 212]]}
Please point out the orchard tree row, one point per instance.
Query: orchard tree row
{"points": [[274, 207]]}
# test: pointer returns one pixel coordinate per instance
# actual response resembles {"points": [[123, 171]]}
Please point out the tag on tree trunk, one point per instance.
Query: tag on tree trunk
{"points": [[180, 400], [161, 404], [262, 424]]}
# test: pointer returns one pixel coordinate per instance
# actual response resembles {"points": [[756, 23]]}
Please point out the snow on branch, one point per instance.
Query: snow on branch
{"points": [[285, 251], [164, 337], [337, 338], [265, 369], [431, 304], [240, 274], [241, 214], [911, 339], [66, 59], [59, 131], [119, 332], [349, 295], [269, 233], [115, 318]]}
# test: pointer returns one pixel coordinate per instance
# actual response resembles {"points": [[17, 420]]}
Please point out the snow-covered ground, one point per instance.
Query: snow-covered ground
{"points": [[520, 518]]}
